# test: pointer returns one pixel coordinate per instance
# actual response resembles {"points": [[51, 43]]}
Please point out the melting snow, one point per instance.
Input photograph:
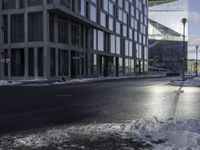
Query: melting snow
{"points": [[142, 133], [189, 82], [6, 83]]}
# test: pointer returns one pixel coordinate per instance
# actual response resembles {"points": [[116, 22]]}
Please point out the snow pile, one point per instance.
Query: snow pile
{"points": [[190, 82], [170, 134], [6, 83], [77, 81], [142, 133]]}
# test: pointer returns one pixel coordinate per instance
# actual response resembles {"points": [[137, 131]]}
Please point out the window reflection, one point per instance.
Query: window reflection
{"points": [[93, 13], [100, 41]]}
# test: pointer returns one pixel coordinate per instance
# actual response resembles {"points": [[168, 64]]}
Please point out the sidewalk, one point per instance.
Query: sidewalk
{"points": [[191, 82], [70, 81]]}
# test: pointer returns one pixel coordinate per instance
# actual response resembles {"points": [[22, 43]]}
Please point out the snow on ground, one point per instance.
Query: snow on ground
{"points": [[44, 82], [143, 133], [82, 80], [7, 83], [189, 82]]}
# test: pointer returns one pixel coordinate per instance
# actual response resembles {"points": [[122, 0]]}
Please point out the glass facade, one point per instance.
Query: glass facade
{"points": [[35, 26], [166, 35], [80, 38], [17, 28]]}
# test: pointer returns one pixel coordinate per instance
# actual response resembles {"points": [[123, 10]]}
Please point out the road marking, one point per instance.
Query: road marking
{"points": [[64, 95]]}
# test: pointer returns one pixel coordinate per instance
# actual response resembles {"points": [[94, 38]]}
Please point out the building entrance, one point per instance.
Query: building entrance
{"points": [[77, 64], [106, 65]]}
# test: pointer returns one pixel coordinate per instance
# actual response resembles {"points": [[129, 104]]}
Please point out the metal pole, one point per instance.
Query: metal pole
{"points": [[184, 20], [196, 61], [183, 57]]}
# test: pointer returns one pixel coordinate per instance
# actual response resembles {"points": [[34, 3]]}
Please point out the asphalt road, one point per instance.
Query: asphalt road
{"points": [[24, 108]]}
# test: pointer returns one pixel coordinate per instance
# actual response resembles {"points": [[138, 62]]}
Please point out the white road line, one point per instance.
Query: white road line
{"points": [[64, 95]]}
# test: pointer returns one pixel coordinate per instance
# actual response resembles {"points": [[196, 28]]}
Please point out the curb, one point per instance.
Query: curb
{"points": [[59, 83], [182, 84]]}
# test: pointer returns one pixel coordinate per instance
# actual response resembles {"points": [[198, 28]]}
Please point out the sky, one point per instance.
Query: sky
{"points": [[194, 27], [194, 18], [192, 11]]}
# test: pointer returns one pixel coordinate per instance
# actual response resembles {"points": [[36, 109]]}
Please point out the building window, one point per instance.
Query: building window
{"points": [[35, 26], [132, 65], [105, 5], [120, 3], [94, 1], [52, 62], [51, 28], [111, 8], [17, 62], [145, 53], [120, 15], [130, 49], [66, 3], [63, 31], [138, 51], [40, 63], [50, 1], [126, 47], [21, 3], [111, 23], [31, 62], [82, 7], [130, 34], [118, 28], [100, 41], [103, 19], [17, 28], [63, 62], [126, 6], [125, 30], [75, 34], [6, 64], [93, 39], [135, 36], [132, 11], [146, 66], [93, 64], [8, 4], [34, 2], [125, 20], [5, 29], [120, 66], [118, 45], [93, 13], [112, 44]]}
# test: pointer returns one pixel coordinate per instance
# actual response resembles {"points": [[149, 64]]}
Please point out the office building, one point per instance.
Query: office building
{"points": [[73, 38], [166, 34]]}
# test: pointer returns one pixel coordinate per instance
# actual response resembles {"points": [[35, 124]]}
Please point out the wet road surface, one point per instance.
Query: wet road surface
{"points": [[102, 102]]}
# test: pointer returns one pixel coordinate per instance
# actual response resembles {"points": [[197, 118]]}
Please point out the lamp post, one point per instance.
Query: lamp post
{"points": [[197, 61], [184, 20]]}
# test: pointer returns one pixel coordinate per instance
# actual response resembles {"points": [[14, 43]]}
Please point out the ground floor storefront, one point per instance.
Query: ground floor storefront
{"points": [[56, 63]]}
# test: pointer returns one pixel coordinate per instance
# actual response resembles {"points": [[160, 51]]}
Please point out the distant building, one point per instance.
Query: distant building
{"points": [[73, 38], [191, 65], [166, 34]]}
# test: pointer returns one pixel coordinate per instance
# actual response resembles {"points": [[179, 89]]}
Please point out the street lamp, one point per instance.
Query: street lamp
{"points": [[184, 20], [197, 61]]}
